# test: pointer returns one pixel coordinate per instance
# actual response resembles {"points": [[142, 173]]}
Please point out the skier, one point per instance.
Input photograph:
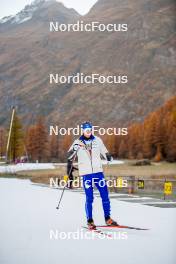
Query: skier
{"points": [[89, 149]]}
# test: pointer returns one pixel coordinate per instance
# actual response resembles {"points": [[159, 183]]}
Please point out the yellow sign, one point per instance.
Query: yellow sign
{"points": [[140, 184], [168, 188], [119, 182], [65, 178]]}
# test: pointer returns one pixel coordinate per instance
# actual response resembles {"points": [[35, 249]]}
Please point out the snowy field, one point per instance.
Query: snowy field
{"points": [[29, 217]]}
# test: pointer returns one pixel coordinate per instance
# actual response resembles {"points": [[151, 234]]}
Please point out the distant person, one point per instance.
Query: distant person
{"points": [[89, 149], [71, 178]]}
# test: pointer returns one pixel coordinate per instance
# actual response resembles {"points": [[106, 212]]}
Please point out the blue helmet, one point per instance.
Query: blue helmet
{"points": [[86, 125]]}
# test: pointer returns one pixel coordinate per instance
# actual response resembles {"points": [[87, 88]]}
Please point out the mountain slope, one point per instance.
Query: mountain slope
{"points": [[146, 53], [40, 11]]}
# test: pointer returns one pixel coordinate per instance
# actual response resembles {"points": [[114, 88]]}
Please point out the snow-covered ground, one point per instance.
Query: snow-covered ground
{"points": [[25, 167], [29, 217], [113, 162], [39, 166]]}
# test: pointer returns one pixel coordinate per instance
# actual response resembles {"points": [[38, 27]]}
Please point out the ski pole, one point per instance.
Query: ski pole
{"points": [[58, 206], [61, 198]]}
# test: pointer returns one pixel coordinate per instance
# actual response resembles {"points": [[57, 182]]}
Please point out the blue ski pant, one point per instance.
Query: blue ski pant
{"points": [[98, 180]]}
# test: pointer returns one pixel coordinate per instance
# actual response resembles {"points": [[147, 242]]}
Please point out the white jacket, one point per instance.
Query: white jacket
{"points": [[89, 153]]}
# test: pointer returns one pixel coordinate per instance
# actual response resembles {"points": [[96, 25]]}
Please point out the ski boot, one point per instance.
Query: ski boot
{"points": [[110, 222], [90, 224]]}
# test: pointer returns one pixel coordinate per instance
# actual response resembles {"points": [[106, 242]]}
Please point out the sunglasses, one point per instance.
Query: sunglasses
{"points": [[87, 130]]}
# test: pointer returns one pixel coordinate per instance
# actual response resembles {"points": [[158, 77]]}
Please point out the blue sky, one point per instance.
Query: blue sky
{"points": [[9, 7]]}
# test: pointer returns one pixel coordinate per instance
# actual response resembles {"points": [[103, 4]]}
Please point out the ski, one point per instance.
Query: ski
{"points": [[122, 226], [98, 231]]}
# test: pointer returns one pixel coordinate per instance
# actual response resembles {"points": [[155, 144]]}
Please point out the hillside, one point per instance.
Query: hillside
{"points": [[29, 52]]}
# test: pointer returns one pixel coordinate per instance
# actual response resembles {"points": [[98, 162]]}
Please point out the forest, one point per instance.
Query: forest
{"points": [[154, 139]]}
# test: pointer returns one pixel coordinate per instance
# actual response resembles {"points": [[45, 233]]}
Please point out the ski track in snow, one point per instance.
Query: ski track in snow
{"points": [[28, 214]]}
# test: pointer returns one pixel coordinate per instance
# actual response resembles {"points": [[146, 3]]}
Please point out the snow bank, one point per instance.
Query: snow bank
{"points": [[113, 162], [25, 167], [10, 169]]}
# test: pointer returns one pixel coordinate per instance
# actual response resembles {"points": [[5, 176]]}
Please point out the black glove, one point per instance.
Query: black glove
{"points": [[109, 157]]}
